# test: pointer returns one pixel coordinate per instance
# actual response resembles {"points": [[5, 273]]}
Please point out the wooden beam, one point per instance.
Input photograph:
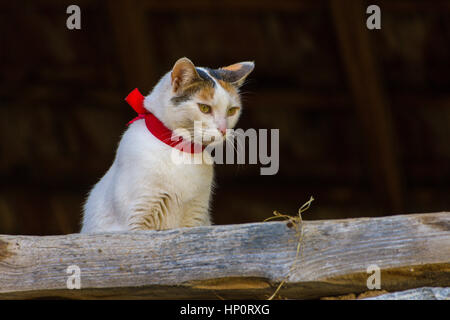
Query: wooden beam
{"points": [[416, 294], [233, 261], [370, 100], [132, 42]]}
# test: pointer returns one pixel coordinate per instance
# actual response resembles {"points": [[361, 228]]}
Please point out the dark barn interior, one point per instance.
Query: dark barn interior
{"points": [[364, 115]]}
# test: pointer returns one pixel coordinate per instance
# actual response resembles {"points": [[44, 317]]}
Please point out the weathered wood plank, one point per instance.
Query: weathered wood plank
{"points": [[232, 261], [425, 293]]}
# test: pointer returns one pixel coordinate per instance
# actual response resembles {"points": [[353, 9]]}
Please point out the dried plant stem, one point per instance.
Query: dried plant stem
{"points": [[298, 223]]}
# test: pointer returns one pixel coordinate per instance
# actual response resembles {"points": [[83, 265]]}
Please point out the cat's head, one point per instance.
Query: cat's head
{"points": [[207, 96]]}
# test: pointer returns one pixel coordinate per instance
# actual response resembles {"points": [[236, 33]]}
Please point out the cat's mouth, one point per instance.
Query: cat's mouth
{"points": [[207, 137], [213, 140], [203, 137]]}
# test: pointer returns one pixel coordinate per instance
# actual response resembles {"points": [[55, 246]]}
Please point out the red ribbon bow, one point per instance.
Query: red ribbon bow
{"points": [[136, 100]]}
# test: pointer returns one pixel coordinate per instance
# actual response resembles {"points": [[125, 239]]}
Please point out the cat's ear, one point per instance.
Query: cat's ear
{"points": [[237, 73], [183, 74]]}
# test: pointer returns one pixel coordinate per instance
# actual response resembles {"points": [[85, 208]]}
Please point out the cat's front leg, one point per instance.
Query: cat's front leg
{"points": [[159, 212], [196, 212]]}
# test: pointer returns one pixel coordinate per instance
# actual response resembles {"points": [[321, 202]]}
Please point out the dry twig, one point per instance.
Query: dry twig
{"points": [[298, 223]]}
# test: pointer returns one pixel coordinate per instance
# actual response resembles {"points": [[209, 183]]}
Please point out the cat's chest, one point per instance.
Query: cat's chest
{"points": [[191, 179], [186, 179], [145, 161]]}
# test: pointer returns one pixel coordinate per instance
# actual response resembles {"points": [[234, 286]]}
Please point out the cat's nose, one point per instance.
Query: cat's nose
{"points": [[222, 126]]}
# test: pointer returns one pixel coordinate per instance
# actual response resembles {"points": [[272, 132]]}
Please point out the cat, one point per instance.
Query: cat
{"points": [[144, 189]]}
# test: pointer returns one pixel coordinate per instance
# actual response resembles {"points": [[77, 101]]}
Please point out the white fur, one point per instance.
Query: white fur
{"points": [[144, 189]]}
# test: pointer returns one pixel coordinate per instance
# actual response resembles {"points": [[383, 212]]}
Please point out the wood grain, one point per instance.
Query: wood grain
{"points": [[232, 261], [416, 294]]}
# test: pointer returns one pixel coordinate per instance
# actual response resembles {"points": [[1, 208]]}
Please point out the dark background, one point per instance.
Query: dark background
{"points": [[363, 115]]}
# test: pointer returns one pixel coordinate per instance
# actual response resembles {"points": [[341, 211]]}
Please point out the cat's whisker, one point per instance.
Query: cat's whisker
{"points": [[240, 145]]}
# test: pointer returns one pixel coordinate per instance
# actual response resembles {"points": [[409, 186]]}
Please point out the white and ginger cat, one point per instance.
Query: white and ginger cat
{"points": [[144, 189]]}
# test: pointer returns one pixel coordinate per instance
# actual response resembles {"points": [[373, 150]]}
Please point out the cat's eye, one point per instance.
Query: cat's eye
{"points": [[232, 111], [204, 108]]}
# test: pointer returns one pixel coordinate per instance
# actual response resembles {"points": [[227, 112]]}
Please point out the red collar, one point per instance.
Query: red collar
{"points": [[136, 100]]}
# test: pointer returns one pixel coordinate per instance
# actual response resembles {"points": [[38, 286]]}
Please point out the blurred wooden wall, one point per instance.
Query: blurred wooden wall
{"points": [[363, 115]]}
